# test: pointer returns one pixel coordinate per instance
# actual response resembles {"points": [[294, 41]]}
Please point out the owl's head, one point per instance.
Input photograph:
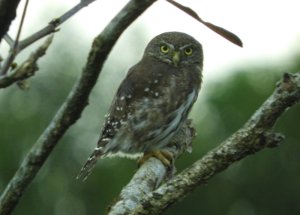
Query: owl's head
{"points": [[176, 48]]}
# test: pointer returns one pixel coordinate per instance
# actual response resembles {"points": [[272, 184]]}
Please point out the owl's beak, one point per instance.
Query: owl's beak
{"points": [[176, 58]]}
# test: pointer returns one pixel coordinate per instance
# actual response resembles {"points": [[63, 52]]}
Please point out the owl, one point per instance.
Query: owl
{"points": [[152, 102]]}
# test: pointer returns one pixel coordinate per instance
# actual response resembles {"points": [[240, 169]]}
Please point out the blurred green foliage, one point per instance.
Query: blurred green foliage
{"points": [[265, 183]]}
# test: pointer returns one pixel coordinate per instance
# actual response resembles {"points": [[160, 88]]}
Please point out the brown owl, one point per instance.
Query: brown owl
{"points": [[153, 101]]}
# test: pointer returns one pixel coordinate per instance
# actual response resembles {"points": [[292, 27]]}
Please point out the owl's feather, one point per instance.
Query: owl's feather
{"points": [[89, 165]]}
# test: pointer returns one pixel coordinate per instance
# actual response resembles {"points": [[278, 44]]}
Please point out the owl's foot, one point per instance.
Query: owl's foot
{"points": [[164, 156]]}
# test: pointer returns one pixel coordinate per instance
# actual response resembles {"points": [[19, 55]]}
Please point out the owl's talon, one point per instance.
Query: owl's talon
{"points": [[165, 157]]}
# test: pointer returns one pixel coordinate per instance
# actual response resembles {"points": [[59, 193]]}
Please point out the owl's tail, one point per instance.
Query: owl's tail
{"points": [[90, 164]]}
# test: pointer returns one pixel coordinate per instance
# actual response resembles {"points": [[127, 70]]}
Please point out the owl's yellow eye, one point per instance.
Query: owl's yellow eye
{"points": [[164, 49], [188, 51]]}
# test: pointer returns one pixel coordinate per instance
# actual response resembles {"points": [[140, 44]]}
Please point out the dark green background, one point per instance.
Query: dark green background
{"points": [[265, 183]]}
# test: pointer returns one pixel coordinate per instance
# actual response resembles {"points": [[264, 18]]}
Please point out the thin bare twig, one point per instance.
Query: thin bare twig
{"points": [[16, 42], [73, 106]]}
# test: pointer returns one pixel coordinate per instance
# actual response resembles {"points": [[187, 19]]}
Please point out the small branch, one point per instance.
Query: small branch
{"points": [[27, 68], [254, 136], [72, 108], [21, 25], [150, 175], [74, 10]]}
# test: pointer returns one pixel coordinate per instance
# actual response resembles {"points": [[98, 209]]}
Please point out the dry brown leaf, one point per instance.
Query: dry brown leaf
{"points": [[219, 30]]}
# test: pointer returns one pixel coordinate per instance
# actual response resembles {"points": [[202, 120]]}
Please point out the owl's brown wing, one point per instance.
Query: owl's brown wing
{"points": [[111, 126], [118, 112]]}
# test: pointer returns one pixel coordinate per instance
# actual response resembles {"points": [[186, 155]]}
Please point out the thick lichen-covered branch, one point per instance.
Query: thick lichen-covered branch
{"points": [[73, 106], [254, 136]]}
